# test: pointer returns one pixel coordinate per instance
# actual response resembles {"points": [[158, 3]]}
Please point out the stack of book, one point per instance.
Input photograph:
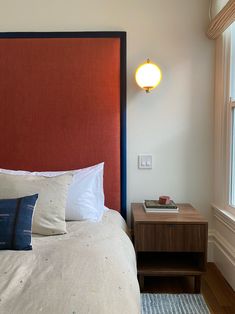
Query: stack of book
{"points": [[152, 206]]}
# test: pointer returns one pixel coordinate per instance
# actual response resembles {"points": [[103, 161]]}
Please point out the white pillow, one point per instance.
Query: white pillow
{"points": [[49, 214], [85, 195]]}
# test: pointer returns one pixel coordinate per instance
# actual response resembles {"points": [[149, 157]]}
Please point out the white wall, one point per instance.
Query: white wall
{"points": [[174, 122]]}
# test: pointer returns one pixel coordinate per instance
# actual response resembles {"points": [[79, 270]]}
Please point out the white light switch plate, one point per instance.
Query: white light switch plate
{"points": [[145, 161]]}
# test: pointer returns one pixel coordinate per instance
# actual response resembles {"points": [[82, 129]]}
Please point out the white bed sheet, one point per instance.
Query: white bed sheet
{"points": [[92, 269]]}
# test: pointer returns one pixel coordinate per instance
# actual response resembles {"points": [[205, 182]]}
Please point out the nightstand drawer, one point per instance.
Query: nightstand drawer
{"points": [[170, 237]]}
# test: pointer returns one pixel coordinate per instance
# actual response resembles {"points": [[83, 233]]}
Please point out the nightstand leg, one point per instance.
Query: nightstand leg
{"points": [[141, 282], [197, 284]]}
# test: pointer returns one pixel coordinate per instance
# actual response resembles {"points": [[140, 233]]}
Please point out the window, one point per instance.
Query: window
{"points": [[232, 117], [232, 66]]}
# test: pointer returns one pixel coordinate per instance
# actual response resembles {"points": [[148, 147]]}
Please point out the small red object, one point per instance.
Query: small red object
{"points": [[164, 200]]}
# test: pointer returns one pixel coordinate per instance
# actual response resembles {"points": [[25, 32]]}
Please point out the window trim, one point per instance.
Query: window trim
{"points": [[222, 126], [229, 166], [229, 133]]}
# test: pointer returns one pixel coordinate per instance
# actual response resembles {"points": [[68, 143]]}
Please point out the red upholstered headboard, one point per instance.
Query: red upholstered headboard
{"points": [[62, 104]]}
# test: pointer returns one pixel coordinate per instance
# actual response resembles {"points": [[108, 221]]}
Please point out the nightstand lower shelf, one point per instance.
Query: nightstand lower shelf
{"points": [[174, 263], [170, 264]]}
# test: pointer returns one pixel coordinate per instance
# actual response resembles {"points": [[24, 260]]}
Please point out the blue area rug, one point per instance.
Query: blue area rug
{"points": [[173, 304]]}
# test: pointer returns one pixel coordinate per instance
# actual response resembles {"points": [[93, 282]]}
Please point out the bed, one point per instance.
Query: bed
{"points": [[91, 269], [62, 107]]}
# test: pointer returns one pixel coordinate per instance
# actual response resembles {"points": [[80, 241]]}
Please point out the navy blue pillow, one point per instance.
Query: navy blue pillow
{"points": [[16, 223]]}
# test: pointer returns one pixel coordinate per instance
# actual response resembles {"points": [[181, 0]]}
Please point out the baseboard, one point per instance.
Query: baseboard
{"points": [[221, 246], [210, 248]]}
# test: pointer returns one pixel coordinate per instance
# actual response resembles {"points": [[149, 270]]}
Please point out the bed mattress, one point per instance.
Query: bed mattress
{"points": [[91, 269]]}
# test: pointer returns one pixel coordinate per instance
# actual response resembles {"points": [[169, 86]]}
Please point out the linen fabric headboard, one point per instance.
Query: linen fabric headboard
{"points": [[63, 104]]}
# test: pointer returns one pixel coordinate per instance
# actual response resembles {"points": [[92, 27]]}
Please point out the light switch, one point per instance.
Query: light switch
{"points": [[145, 161]]}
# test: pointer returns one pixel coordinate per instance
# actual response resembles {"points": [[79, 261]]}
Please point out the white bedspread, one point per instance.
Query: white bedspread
{"points": [[92, 269]]}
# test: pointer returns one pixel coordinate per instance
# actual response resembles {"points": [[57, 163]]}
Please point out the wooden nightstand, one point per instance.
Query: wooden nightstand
{"points": [[170, 244]]}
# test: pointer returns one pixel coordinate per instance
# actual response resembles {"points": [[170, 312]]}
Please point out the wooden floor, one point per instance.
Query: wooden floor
{"points": [[219, 296]]}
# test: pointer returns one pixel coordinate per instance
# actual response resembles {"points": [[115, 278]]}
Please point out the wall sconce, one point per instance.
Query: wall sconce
{"points": [[148, 76]]}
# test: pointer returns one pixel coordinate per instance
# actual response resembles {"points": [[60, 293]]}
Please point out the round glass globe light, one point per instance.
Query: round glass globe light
{"points": [[148, 76]]}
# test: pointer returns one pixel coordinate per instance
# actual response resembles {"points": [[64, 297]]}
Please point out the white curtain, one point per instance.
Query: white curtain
{"points": [[223, 15], [216, 6], [221, 100]]}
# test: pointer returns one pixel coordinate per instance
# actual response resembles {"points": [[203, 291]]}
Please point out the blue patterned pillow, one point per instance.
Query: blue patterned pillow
{"points": [[16, 223]]}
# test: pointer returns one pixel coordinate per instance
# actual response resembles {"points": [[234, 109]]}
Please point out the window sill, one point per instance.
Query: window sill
{"points": [[226, 215]]}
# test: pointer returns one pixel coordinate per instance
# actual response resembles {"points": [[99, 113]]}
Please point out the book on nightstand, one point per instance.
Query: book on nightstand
{"points": [[153, 206]]}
